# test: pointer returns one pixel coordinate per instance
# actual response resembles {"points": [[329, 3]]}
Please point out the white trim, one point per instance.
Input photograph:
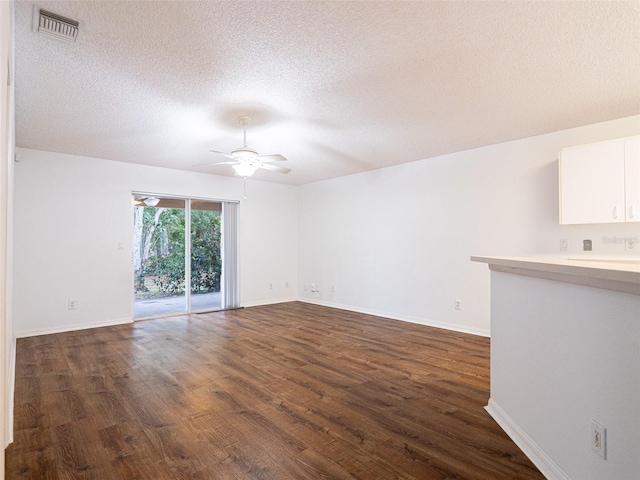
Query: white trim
{"points": [[403, 318], [540, 459], [70, 328]]}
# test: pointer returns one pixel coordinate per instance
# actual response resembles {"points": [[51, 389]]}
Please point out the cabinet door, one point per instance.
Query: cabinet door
{"points": [[592, 183], [632, 178]]}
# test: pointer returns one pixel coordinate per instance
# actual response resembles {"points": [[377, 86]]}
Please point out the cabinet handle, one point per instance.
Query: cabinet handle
{"points": [[615, 212], [631, 211]]}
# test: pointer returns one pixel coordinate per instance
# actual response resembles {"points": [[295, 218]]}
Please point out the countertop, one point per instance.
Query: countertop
{"points": [[620, 274]]}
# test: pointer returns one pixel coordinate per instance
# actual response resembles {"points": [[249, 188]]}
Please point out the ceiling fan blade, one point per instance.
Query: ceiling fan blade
{"points": [[215, 163], [228, 155], [275, 168], [272, 158]]}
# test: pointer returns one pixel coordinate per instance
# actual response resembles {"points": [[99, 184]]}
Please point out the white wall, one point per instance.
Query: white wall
{"points": [[269, 244], [397, 241], [562, 355], [71, 212], [394, 241]]}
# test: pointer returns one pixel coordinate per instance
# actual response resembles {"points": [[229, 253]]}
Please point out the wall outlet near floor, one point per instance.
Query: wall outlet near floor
{"points": [[564, 244], [315, 288], [333, 289], [71, 304], [457, 304], [598, 439], [271, 286], [286, 284]]}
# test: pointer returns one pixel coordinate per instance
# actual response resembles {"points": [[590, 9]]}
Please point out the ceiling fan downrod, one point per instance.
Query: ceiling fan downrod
{"points": [[245, 121]]}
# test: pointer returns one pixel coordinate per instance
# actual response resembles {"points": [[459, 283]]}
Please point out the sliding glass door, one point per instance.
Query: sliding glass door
{"points": [[206, 255], [159, 256], [178, 256]]}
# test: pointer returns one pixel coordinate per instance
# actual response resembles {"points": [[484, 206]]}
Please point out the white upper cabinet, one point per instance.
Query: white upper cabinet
{"points": [[600, 183]]}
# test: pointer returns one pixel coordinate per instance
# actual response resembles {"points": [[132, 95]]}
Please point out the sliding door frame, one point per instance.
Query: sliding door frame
{"points": [[229, 281]]}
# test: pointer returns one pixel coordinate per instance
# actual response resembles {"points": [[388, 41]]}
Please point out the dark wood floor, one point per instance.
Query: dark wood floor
{"points": [[289, 391]]}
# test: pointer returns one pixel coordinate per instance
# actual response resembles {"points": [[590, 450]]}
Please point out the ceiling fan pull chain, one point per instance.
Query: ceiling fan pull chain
{"points": [[244, 181]]}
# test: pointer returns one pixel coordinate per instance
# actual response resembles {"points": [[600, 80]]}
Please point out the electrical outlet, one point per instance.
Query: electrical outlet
{"points": [[286, 284], [71, 304], [587, 245], [305, 287], [271, 286], [564, 244], [629, 243], [598, 439], [333, 289], [457, 305]]}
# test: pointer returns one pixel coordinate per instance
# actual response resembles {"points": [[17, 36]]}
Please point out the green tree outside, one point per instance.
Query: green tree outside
{"points": [[159, 258]]}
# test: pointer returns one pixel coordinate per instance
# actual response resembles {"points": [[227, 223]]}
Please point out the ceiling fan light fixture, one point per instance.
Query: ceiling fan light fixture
{"points": [[246, 169], [151, 201]]}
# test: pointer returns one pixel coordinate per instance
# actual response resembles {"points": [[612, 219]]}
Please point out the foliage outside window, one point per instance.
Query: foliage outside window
{"points": [[159, 256]]}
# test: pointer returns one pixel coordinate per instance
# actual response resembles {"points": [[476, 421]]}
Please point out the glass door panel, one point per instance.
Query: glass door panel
{"points": [[159, 256], [206, 255]]}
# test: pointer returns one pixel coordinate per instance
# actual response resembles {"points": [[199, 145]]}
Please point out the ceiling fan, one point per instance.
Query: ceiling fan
{"points": [[245, 160]]}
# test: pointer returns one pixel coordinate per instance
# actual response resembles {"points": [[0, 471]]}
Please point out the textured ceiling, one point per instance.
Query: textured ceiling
{"points": [[337, 87]]}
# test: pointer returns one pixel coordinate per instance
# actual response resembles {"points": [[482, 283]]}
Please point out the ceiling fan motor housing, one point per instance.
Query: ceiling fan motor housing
{"points": [[244, 153]]}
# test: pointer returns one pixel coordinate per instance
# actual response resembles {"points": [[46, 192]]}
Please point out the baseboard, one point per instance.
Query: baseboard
{"points": [[404, 318], [69, 328], [548, 468]]}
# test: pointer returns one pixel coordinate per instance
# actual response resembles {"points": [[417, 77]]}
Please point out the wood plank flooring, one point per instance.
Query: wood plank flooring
{"points": [[287, 391]]}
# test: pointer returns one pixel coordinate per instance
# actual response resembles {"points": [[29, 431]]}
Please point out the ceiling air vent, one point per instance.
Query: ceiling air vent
{"points": [[57, 26]]}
